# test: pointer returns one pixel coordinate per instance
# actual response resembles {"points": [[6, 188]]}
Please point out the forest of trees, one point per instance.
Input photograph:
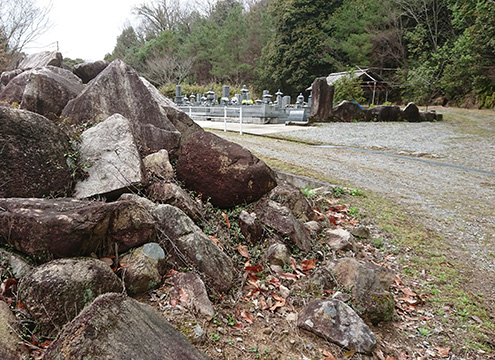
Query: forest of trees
{"points": [[439, 49], [430, 50]]}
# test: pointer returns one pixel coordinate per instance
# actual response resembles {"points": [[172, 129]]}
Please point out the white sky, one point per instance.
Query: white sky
{"points": [[84, 29]]}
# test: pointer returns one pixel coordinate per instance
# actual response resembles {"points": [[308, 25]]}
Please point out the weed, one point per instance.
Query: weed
{"points": [[338, 191], [424, 332], [214, 337]]}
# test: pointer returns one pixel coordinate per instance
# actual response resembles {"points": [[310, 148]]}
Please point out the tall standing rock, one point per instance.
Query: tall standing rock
{"points": [[222, 171], [32, 156], [118, 89], [322, 99]]}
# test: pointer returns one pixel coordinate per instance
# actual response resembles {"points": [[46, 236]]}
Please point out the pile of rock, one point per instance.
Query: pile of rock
{"points": [[77, 231]]}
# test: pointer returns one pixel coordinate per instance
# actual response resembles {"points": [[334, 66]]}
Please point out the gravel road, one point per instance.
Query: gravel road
{"points": [[443, 172]]}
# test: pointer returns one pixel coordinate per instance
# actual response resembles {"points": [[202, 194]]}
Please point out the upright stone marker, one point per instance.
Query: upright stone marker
{"points": [[321, 101]]}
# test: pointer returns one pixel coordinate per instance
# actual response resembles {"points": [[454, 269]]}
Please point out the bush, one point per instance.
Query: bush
{"points": [[348, 88]]}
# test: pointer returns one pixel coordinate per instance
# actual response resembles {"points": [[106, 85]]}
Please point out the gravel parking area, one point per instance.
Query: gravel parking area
{"points": [[451, 188]]}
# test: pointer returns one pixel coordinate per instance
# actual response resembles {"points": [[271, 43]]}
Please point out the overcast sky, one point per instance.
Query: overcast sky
{"points": [[84, 29]]}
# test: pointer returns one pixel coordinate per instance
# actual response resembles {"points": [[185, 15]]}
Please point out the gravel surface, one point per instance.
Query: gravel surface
{"points": [[459, 203]]}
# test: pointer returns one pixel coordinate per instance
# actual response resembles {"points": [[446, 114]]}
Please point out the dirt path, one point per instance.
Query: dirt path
{"points": [[443, 174]]}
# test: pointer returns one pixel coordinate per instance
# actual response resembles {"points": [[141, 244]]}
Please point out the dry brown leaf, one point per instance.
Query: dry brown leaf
{"points": [[389, 358], [307, 265], [328, 355], [226, 218], [288, 276], [216, 241], [247, 316], [243, 251], [408, 292], [444, 352], [183, 297], [349, 354]]}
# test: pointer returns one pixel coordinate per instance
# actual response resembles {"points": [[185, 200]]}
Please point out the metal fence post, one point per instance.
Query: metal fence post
{"points": [[225, 118], [240, 120]]}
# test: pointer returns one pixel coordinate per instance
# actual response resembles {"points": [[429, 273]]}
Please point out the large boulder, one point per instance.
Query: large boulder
{"points": [[144, 268], [44, 58], [118, 89], [32, 156], [322, 99], [191, 246], [251, 227], [224, 172], [87, 71], [55, 292], [6, 76], [370, 300], [411, 113], [12, 91], [283, 222], [388, 113], [109, 154], [10, 346], [179, 119], [56, 228], [48, 90], [348, 111], [335, 321], [15, 265], [118, 327]]}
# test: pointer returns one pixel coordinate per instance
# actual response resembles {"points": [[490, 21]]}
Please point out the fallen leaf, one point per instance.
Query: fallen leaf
{"points": [[328, 355], [275, 281], [243, 251], [349, 354], [8, 287], [171, 273], [226, 218], [288, 276], [389, 358], [444, 352], [216, 241], [307, 265], [107, 260], [252, 269], [247, 316], [408, 292]]}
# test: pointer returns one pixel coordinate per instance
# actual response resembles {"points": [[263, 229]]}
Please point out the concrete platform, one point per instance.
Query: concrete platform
{"points": [[255, 129]]}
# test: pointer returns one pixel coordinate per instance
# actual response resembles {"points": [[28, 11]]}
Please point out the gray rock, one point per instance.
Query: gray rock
{"points": [[278, 254], [56, 228], [348, 111], [179, 119], [12, 91], [386, 276], [195, 292], [386, 113], [55, 292], [115, 326], [339, 239], [87, 71], [32, 156], [281, 219], [291, 197], [11, 347], [44, 58], [109, 154], [369, 298], [48, 90], [189, 243], [118, 89], [158, 165], [313, 227], [361, 231], [170, 193], [6, 76], [144, 267], [335, 321], [18, 266], [251, 227]]}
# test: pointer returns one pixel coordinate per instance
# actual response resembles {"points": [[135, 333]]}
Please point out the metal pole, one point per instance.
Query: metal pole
{"points": [[240, 120], [374, 89], [225, 118]]}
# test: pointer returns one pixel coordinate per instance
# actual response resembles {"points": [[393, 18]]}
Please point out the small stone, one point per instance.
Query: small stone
{"points": [[267, 331], [291, 317], [284, 292], [361, 232], [221, 330]]}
